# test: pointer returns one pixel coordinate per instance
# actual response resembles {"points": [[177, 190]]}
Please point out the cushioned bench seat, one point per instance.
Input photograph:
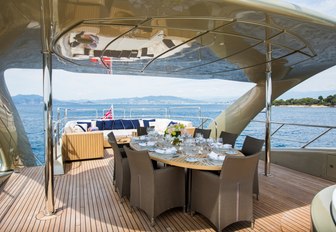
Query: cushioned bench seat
{"points": [[120, 127]]}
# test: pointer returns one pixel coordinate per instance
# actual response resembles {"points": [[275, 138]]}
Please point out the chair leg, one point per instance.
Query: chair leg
{"points": [[252, 223], [152, 222]]}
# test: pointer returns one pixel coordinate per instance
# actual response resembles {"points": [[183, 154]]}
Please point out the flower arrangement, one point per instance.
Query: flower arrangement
{"points": [[174, 131]]}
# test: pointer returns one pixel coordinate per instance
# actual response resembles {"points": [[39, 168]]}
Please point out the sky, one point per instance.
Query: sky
{"points": [[79, 86]]}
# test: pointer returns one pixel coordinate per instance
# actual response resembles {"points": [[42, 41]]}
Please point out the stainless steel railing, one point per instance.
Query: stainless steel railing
{"points": [[179, 112], [282, 125], [175, 112]]}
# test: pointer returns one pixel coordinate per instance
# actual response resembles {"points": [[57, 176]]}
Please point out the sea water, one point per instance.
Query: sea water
{"points": [[288, 136]]}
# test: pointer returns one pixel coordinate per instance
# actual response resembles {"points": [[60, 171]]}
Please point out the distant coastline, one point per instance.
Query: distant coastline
{"points": [[304, 106], [161, 100], [329, 101]]}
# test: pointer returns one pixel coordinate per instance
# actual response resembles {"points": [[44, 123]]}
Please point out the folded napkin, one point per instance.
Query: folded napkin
{"points": [[149, 144], [166, 151], [214, 156]]}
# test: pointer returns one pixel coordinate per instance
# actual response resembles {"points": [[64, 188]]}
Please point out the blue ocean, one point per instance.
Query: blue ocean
{"points": [[287, 136]]}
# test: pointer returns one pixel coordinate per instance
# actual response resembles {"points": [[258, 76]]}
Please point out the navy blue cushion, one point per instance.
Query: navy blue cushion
{"points": [[136, 123], [100, 125], [87, 123], [172, 123], [117, 125], [146, 122], [128, 124], [108, 124]]}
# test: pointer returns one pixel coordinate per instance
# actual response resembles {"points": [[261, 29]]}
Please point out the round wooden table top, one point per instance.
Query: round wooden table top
{"points": [[198, 161]]}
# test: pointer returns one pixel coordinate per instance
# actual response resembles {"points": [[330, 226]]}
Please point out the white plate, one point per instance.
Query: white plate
{"points": [[191, 159], [147, 144], [231, 152], [165, 152]]}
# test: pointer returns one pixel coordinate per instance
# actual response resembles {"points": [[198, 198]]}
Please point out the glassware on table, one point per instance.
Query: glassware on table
{"points": [[199, 136], [150, 130], [227, 146]]}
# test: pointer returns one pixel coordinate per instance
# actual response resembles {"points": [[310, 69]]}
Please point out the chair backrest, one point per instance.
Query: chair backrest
{"points": [[142, 130], [205, 132], [116, 150], [111, 138], [238, 169], [252, 145], [140, 164], [228, 138]]}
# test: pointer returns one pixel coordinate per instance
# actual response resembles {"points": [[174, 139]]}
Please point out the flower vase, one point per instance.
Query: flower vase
{"points": [[176, 141]]}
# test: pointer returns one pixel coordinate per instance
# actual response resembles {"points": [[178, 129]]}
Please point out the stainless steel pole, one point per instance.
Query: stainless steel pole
{"points": [[47, 100], [48, 134], [268, 95]]}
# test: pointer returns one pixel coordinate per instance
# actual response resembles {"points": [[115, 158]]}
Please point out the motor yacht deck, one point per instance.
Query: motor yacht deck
{"points": [[85, 200]]}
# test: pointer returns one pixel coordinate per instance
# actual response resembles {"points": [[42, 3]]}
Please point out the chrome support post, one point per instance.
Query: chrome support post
{"points": [[58, 127], [268, 95], [48, 134], [46, 30]]}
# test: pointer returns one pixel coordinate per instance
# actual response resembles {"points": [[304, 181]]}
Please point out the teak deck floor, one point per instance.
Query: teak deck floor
{"points": [[86, 201]]}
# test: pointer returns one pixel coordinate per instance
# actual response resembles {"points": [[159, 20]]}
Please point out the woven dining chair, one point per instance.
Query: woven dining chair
{"points": [[225, 198], [141, 131], [205, 132], [121, 172], [253, 146], [154, 190], [228, 138]]}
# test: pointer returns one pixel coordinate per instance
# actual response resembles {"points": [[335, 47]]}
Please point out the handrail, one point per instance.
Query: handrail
{"points": [[166, 112], [306, 143], [148, 109]]}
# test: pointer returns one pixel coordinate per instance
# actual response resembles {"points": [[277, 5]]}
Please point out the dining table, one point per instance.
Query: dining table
{"points": [[207, 155]]}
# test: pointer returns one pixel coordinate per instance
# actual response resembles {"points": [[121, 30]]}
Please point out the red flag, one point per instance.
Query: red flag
{"points": [[108, 114]]}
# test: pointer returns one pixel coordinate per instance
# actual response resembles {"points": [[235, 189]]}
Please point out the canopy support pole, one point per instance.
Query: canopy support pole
{"points": [[46, 28], [268, 95], [48, 134]]}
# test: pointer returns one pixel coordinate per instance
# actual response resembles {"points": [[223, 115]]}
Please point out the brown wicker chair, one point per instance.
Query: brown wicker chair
{"points": [[228, 138], [121, 172], [154, 191], [142, 130], [252, 146], [205, 132], [226, 198]]}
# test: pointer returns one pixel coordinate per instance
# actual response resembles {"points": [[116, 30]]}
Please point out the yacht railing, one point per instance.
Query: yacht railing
{"points": [[64, 115], [179, 112], [282, 125]]}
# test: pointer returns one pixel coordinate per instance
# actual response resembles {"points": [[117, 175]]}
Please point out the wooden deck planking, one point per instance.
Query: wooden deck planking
{"points": [[87, 201]]}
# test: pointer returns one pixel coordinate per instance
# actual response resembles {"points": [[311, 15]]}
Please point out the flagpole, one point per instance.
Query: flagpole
{"points": [[112, 111]]}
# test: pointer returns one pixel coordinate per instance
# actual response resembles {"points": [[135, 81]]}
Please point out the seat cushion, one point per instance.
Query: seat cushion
{"points": [[146, 122], [108, 124], [87, 123], [100, 125], [118, 125], [136, 123], [128, 124]]}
